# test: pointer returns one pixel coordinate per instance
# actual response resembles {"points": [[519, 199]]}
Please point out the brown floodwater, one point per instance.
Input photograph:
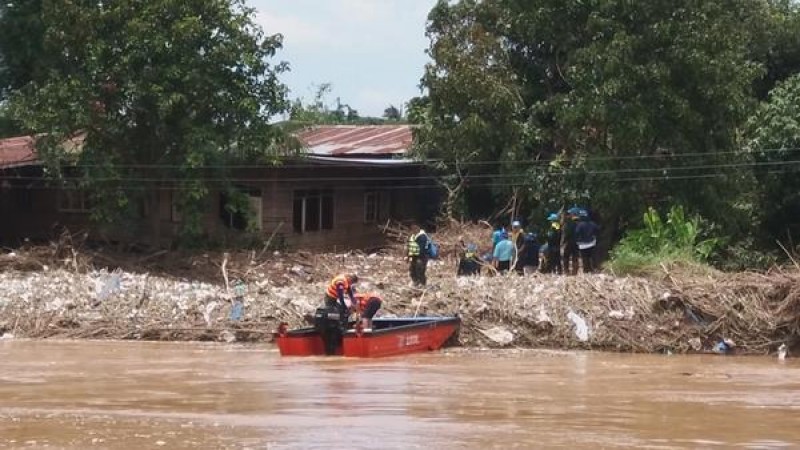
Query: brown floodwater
{"points": [[119, 395]]}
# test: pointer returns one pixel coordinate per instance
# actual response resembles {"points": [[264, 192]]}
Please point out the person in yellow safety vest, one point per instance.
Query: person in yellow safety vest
{"points": [[338, 287], [418, 255], [470, 261], [554, 245]]}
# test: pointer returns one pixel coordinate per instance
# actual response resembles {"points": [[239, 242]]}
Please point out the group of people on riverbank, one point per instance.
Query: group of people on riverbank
{"points": [[566, 245]]}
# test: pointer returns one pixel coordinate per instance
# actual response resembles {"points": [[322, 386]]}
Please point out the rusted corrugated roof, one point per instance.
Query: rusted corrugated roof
{"points": [[367, 141], [357, 140], [17, 152]]}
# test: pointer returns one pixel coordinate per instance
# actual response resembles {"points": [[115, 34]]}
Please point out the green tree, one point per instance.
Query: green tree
{"points": [[162, 94], [607, 103], [774, 143], [321, 111], [392, 113], [22, 53]]}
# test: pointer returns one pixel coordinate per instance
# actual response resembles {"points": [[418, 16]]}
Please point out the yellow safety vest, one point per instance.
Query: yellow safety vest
{"points": [[413, 247]]}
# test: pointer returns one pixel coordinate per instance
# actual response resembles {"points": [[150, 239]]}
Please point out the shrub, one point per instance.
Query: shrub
{"points": [[677, 240]]}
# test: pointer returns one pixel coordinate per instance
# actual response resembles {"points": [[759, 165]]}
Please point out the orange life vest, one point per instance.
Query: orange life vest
{"points": [[362, 300], [335, 283]]}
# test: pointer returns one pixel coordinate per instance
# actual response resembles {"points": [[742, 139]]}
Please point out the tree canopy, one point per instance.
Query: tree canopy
{"points": [[161, 93], [321, 111], [608, 103]]}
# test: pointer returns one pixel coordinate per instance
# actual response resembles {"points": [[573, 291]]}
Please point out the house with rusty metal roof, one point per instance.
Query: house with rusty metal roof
{"points": [[348, 183]]}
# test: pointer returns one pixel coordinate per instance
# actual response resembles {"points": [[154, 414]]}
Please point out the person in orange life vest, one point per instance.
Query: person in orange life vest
{"points": [[340, 286], [366, 306]]}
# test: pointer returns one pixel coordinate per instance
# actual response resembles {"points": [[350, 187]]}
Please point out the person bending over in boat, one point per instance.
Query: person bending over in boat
{"points": [[340, 286], [366, 306]]}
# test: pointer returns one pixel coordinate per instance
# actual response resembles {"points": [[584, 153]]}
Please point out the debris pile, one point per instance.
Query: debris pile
{"points": [[63, 292]]}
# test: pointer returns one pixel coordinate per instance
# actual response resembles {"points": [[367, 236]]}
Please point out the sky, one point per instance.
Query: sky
{"points": [[371, 51]]}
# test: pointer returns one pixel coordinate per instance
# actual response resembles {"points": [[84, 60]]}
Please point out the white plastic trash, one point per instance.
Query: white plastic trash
{"points": [[581, 329]]}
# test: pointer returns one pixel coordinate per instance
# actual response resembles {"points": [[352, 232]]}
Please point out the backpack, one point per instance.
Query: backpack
{"points": [[432, 249]]}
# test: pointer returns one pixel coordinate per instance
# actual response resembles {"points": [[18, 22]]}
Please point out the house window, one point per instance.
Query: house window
{"points": [[73, 200], [236, 212], [312, 211]]}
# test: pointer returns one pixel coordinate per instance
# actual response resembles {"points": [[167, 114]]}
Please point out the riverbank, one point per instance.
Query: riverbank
{"points": [[677, 311]]}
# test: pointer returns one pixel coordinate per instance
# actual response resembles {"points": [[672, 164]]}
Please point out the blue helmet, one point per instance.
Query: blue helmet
{"points": [[552, 217], [574, 211]]}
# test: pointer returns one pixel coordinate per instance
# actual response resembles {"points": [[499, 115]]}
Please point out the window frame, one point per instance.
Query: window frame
{"points": [[324, 199]]}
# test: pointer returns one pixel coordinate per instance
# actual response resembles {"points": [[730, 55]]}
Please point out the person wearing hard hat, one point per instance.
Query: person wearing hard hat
{"points": [[554, 245], [503, 254]]}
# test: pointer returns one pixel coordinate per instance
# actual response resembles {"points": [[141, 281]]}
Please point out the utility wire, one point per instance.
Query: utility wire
{"points": [[340, 162], [278, 179], [181, 184]]}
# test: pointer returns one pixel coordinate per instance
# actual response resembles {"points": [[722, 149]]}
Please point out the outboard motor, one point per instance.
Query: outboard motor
{"points": [[328, 324]]}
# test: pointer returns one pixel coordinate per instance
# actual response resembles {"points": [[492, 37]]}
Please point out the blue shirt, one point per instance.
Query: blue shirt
{"points": [[504, 250]]}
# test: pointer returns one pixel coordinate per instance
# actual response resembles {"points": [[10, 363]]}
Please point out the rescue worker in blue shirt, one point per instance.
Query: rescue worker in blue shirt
{"points": [[503, 254]]}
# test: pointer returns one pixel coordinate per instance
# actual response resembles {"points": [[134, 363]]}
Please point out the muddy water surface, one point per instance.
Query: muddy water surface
{"points": [[79, 395]]}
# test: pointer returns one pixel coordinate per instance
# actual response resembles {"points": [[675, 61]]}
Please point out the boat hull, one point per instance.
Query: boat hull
{"points": [[389, 337]]}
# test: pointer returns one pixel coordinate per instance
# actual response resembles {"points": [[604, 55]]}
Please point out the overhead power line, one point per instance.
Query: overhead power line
{"points": [[342, 161], [399, 178], [182, 185]]}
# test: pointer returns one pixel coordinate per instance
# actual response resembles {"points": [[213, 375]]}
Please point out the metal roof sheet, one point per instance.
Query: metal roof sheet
{"points": [[17, 152], [357, 140], [351, 141]]}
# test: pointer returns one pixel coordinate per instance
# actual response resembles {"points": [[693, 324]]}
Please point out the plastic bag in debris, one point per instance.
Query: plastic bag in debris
{"points": [[237, 309], [109, 286], [581, 329]]}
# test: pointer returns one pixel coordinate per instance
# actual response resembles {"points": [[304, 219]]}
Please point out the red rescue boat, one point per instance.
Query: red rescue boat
{"points": [[388, 337]]}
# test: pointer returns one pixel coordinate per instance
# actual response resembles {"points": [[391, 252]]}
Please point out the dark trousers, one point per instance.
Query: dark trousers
{"points": [[503, 266], [373, 305], [587, 258], [468, 266], [417, 268], [553, 264], [570, 258]]}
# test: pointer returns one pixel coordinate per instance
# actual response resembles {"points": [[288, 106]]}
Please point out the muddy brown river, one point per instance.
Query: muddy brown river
{"points": [[81, 395]]}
